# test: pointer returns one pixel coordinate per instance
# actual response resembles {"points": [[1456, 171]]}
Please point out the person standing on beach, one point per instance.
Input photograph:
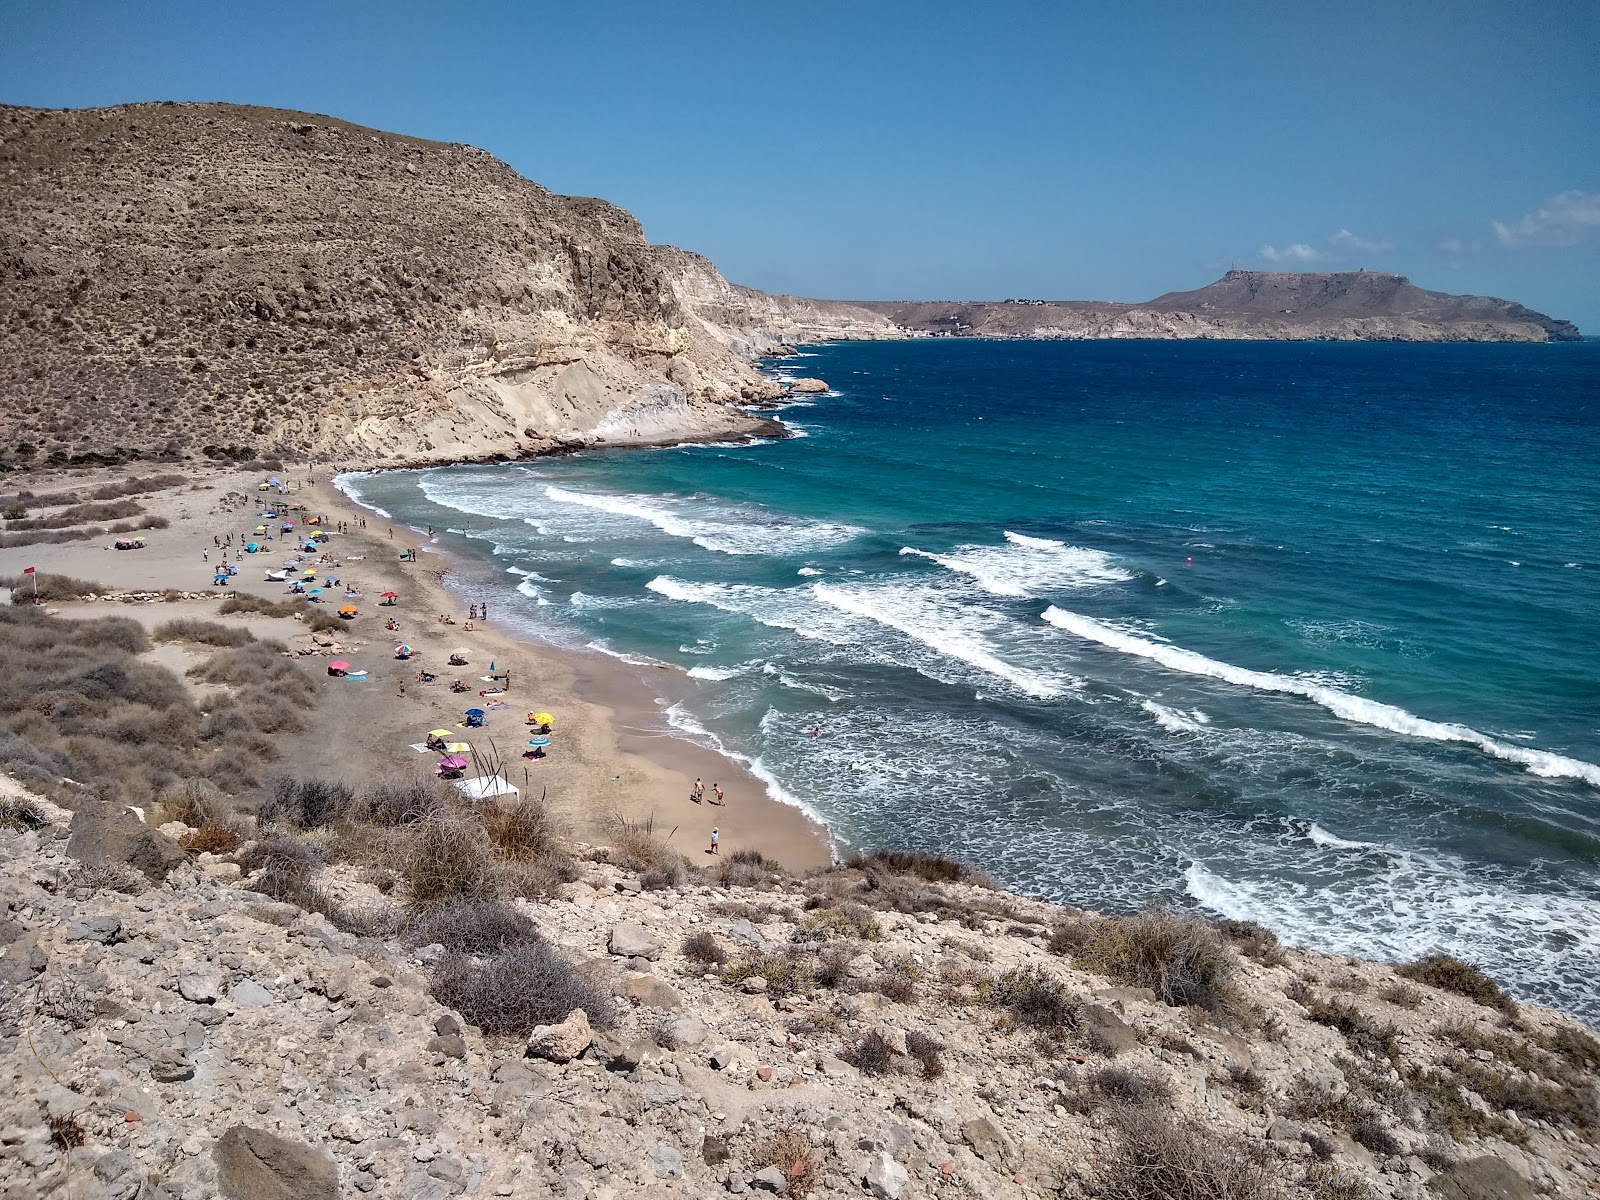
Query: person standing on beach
{"points": [[716, 836], [699, 791], [483, 612]]}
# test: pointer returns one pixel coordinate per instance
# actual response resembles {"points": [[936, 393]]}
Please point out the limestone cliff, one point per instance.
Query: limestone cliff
{"points": [[188, 278]]}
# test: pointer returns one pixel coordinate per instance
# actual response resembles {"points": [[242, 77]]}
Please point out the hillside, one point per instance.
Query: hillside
{"points": [[1249, 305], [253, 1024], [178, 277]]}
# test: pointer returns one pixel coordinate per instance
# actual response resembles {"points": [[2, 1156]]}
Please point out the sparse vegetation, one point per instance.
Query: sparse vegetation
{"points": [[747, 867], [701, 947], [791, 1152], [872, 1055], [527, 985], [211, 839], [1037, 999], [1160, 1156], [21, 813], [448, 860], [52, 588], [472, 927], [928, 1052], [205, 633], [1184, 960], [1452, 975]]}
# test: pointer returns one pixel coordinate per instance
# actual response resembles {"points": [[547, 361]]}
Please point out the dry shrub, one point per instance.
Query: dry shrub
{"points": [[639, 847], [281, 852], [523, 830], [872, 1055], [195, 802], [785, 973], [1036, 999], [791, 1152], [1325, 1181], [66, 1132], [53, 589], [449, 859], [21, 813], [1160, 1156], [1401, 995], [206, 633], [246, 602], [468, 927], [393, 802], [932, 868], [1119, 1085], [1253, 939], [211, 839], [527, 985], [258, 665], [307, 803], [319, 620], [747, 867], [1069, 938], [69, 1001], [701, 947], [898, 982], [1184, 960], [927, 1051], [110, 877], [540, 880], [1364, 1034], [841, 921], [1452, 975]]}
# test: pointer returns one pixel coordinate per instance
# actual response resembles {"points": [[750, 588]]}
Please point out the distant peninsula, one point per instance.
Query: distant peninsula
{"points": [[230, 282], [1248, 305]]}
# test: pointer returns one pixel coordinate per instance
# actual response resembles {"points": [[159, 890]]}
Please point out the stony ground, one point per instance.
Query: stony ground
{"points": [[191, 1038]]}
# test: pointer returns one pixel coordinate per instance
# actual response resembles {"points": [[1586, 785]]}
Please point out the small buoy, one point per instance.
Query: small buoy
{"points": [[1188, 562]]}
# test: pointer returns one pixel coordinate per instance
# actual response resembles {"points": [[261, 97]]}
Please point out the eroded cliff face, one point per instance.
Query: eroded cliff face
{"points": [[754, 323], [189, 277]]}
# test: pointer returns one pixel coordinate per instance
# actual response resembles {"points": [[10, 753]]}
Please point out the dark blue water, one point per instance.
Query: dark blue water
{"points": [[1296, 632]]}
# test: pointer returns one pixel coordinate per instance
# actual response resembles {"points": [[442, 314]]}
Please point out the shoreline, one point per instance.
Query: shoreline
{"points": [[620, 694]]}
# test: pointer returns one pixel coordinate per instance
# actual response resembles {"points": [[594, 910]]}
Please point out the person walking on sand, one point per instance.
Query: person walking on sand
{"points": [[699, 791], [716, 837], [716, 790], [402, 689], [205, 555], [483, 612]]}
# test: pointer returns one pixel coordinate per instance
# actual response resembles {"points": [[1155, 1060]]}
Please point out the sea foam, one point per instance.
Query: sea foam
{"points": [[723, 528], [1026, 566], [1340, 704]]}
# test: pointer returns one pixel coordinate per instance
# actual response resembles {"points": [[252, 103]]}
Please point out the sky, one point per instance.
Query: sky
{"points": [[875, 149]]}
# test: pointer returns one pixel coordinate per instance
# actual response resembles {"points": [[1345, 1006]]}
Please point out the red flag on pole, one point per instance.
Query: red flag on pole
{"points": [[27, 570]]}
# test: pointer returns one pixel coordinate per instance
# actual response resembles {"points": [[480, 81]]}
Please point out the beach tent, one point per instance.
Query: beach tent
{"points": [[487, 787], [277, 576]]}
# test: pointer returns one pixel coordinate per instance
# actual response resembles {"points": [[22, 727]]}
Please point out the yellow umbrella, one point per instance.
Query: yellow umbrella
{"points": [[543, 719], [440, 733], [458, 747]]}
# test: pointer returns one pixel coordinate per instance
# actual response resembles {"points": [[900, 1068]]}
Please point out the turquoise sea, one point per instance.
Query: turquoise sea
{"points": [[1302, 633]]}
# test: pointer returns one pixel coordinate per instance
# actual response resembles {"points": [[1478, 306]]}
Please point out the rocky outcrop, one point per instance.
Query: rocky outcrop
{"points": [[1249, 306], [943, 1043], [754, 323], [222, 279]]}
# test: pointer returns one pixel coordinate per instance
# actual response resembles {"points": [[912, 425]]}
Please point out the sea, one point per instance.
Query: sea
{"points": [[1299, 633]]}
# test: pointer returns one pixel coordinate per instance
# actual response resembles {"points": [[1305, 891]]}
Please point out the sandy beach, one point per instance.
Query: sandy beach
{"points": [[610, 755]]}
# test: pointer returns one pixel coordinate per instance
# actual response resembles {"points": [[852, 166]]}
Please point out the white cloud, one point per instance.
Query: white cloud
{"points": [[1296, 252], [1563, 220], [1354, 243]]}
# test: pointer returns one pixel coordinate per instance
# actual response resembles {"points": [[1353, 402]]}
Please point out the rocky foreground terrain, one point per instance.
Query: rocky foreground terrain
{"points": [[1250, 306], [894, 1028]]}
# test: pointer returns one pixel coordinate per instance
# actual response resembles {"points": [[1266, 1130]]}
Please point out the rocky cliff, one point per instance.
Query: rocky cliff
{"points": [[208, 277], [1250, 305]]}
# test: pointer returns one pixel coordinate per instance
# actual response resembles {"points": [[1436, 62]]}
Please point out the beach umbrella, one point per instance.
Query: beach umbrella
{"points": [[458, 747], [402, 651], [538, 741], [543, 719], [261, 528], [439, 733], [252, 548], [390, 595], [314, 592], [474, 712], [452, 762], [340, 665], [347, 610]]}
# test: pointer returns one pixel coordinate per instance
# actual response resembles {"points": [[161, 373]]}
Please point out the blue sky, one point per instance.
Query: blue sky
{"points": [[878, 149]]}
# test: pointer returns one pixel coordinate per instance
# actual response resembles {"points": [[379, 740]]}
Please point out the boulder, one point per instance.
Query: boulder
{"points": [[668, 1161], [884, 1177], [1106, 1032], [809, 387], [990, 1143], [120, 839], [562, 1042], [1484, 1178], [93, 929], [630, 940], [769, 1179], [253, 1164], [681, 1033], [201, 983], [250, 994], [649, 992]]}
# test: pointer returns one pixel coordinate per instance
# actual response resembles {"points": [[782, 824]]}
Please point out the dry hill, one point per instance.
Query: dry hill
{"points": [[235, 280]]}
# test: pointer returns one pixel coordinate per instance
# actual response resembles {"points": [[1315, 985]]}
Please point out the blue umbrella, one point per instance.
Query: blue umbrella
{"points": [[538, 741], [474, 712]]}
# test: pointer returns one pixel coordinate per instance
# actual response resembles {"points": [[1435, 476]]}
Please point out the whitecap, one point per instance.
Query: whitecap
{"points": [[1174, 721], [346, 483], [1341, 704], [725, 528], [1027, 566]]}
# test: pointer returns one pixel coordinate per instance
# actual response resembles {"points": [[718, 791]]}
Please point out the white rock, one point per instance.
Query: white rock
{"points": [[201, 983], [564, 1041], [884, 1177]]}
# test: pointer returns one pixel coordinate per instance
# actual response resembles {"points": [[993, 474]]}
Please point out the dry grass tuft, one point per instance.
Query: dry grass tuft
{"points": [[1452, 975], [449, 859], [211, 839], [1160, 1156], [791, 1152], [468, 927], [527, 985], [205, 633], [1184, 960]]}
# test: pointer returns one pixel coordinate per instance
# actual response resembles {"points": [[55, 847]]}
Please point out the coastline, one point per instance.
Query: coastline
{"points": [[620, 701]]}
